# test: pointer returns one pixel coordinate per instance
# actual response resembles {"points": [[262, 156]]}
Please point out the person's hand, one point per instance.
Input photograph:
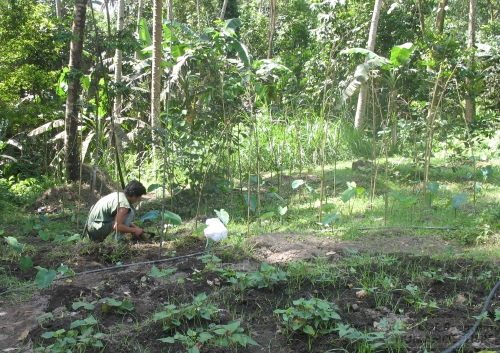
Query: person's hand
{"points": [[138, 231]]}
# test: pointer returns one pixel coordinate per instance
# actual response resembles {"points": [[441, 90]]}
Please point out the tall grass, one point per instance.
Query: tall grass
{"points": [[297, 143]]}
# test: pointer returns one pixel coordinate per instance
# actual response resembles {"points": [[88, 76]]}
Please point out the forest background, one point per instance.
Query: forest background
{"points": [[206, 95]]}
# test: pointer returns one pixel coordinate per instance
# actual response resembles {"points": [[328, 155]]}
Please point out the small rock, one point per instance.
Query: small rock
{"points": [[362, 293], [460, 299]]}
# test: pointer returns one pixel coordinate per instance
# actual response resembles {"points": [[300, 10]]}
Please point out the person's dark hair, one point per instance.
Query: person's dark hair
{"points": [[134, 188]]}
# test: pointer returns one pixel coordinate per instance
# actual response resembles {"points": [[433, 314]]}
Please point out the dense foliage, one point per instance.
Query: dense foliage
{"points": [[274, 82]]}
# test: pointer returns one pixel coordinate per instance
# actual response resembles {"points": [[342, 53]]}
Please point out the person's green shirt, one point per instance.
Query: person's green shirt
{"points": [[102, 215]]}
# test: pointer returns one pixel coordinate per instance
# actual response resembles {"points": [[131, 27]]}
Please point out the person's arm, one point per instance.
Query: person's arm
{"points": [[121, 214]]}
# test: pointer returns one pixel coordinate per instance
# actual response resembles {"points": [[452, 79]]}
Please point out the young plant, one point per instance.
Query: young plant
{"points": [[161, 273], [107, 304], [25, 262], [45, 277], [82, 335], [389, 338], [351, 191], [313, 317], [197, 311], [268, 276], [231, 335]]}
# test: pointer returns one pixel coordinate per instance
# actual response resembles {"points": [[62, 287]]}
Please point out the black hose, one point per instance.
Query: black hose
{"points": [[473, 329], [113, 268]]}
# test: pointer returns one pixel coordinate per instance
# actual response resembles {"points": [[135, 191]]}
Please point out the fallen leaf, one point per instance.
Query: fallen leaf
{"points": [[23, 335], [460, 299]]}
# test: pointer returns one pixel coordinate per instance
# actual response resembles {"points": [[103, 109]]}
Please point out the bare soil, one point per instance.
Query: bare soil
{"points": [[135, 331]]}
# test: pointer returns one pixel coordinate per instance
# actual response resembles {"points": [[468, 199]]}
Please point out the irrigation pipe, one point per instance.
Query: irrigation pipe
{"points": [[150, 262], [409, 227], [473, 329]]}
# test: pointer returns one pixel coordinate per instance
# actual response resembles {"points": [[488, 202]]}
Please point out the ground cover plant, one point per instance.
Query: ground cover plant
{"points": [[406, 269]]}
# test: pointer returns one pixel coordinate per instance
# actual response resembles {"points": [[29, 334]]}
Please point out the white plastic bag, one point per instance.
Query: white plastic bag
{"points": [[215, 230]]}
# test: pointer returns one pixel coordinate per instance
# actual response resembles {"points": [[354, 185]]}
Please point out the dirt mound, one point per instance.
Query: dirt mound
{"points": [[95, 183], [285, 247]]}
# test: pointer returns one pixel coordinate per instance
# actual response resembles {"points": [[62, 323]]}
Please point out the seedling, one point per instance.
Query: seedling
{"points": [[197, 311], [313, 317], [268, 276], [81, 336], [351, 191], [231, 335], [107, 305]]}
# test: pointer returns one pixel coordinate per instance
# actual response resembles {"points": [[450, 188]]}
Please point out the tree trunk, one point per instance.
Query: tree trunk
{"points": [[117, 106], [58, 8], [170, 10], [223, 10], [421, 16], [71, 141], [363, 92], [440, 16], [156, 72], [138, 21], [470, 99], [272, 27]]}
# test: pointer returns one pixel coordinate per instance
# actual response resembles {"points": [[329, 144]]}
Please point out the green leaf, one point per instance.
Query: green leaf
{"points": [[44, 277], [85, 305], [347, 195], [401, 53], [73, 238], [223, 215], [26, 263], [432, 186], [150, 215], [297, 183], [282, 210], [154, 187], [59, 238], [273, 195], [204, 337], [267, 215], [360, 190], [487, 171], [62, 84], [14, 244], [255, 179], [309, 330], [111, 302], [172, 218], [251, 201], [144, 35], [159, 273], [458, 200], [330, 218]]}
